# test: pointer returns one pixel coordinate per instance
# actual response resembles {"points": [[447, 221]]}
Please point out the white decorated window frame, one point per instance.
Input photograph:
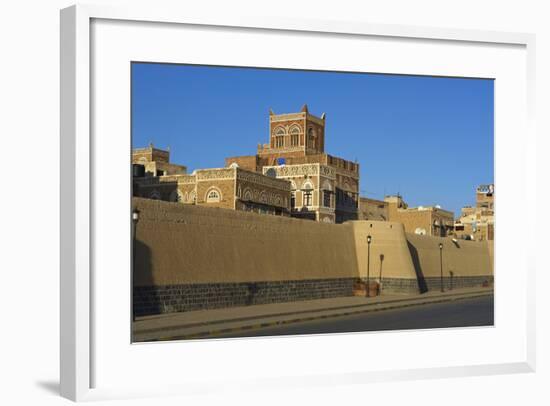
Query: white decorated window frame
{"points": [[85, 354]]}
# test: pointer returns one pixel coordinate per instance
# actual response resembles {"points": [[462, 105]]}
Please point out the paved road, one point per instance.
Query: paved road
{"points": [[458, 313]]}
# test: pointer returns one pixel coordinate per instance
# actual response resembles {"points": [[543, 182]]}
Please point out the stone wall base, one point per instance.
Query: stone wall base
{"points": [[459, 282], [150, 300], [414, 286]]}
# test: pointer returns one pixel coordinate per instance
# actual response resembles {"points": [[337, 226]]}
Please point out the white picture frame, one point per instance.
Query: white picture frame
{"points": [[78, 347]]}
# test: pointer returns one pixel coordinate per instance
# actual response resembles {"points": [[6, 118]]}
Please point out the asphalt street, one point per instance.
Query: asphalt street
{"points": [[458, 313]]}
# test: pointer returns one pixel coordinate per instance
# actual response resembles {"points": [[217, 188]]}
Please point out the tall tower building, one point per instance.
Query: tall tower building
{"points": [[323, 187], [293, 135]]}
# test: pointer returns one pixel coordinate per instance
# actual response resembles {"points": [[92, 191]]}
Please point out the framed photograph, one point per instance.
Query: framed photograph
{"points": [[304, 193]]}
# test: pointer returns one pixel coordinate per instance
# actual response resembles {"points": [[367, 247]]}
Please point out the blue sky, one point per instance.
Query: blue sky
{"points": [[428, 138]]}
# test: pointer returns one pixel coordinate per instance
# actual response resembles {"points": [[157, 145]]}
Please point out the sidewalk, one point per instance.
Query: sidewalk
{"points": [[204, 323]]}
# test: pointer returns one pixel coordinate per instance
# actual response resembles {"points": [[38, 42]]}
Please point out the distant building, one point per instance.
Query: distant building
{"points": [[372, 209], [478, 223], [152, 161], [423, 220], [323, 187], [232, 188]]}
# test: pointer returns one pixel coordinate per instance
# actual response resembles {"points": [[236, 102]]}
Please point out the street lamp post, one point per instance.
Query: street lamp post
{"points": [[369, 239], [380, 277], [441, 264], [135, 219]]}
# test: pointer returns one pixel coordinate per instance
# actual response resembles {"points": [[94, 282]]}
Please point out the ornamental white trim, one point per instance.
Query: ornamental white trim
{"points": [[213, 195]]}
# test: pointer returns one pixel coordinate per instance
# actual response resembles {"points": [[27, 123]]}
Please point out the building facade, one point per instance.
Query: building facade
{"points": [[230, 188], [324, 187], [478, 223], [312, 190], [422, 220]]}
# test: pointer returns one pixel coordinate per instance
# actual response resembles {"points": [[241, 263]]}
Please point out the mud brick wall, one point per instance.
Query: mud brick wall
{"points": [[193, 257]]}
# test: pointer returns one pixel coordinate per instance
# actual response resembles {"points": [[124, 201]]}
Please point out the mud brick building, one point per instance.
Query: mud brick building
{"points": [[478, 223], [323, 187], [423, 220], [151, 161], [231, 188]]}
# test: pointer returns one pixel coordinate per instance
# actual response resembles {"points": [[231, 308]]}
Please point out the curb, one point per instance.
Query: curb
{"points": [[289, 313], [371, 307]]}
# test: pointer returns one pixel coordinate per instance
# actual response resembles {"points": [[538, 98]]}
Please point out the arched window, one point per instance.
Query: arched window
{"points": [[311, 137], [247, 195], [307, 185], [213, 195], [295, 136], [327, 192], [279, 137], [263, 197], [307, 194]]}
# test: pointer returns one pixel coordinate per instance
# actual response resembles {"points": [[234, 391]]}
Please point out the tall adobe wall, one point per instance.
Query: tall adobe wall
{"points": [[193, 257], [464, 263], [389, 255]]}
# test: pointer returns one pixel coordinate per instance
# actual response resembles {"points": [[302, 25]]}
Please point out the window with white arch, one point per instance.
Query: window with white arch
{"points": [[307, 194], [307, 185], [327, 192], [280, 137], [295, 136], [213, 195], [247, 195], [263, 197], [311, 137]]}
